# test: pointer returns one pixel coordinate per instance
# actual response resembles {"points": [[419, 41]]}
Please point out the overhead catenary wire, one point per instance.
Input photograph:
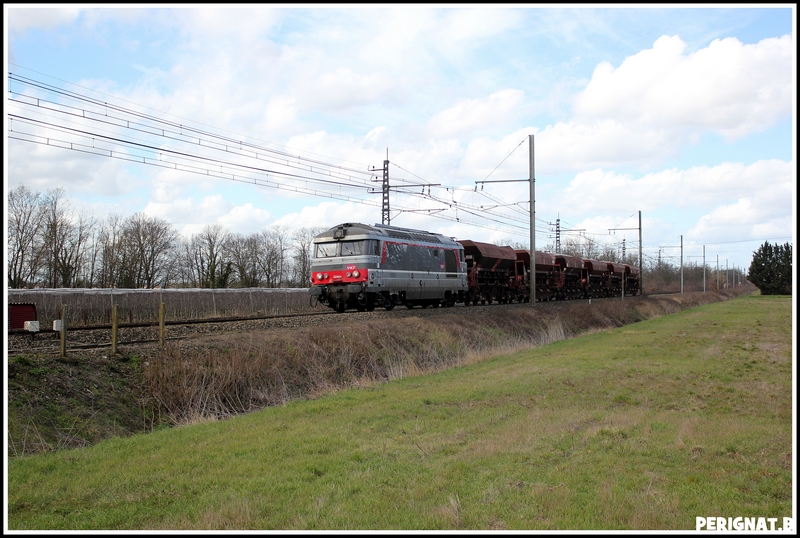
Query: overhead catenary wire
{"points": [[173, 127], [227, 149], [106, 127], [128, 148], [166, 152], [104, 112]]}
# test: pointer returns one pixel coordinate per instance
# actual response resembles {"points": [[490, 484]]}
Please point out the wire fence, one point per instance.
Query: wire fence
{"points": [[94, 306]]}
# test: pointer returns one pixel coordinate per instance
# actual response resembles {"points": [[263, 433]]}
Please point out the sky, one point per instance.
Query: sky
{"points": [[254, 117]]}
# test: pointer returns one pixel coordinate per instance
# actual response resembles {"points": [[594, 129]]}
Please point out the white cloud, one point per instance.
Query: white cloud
{"points": [[398, 36], [462, 26], [326, 215], [189, 216], [342, 89], [766, 213], [469, 115], [42, 167], [728, 87], [246, 219], [279, 116], [696, 187], [243, 23], [578, 145], [21, 19]]}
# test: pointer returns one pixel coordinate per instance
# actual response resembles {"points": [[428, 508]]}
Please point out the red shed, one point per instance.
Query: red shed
{"points": [[19, 313]]}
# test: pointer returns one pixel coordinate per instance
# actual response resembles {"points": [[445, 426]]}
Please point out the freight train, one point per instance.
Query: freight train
{"points": [[357, 266]]}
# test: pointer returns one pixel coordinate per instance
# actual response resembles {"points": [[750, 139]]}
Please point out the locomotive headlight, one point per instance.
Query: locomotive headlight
{"points": [[347, 274], [319, 276], [325, 276], [356, 274]]}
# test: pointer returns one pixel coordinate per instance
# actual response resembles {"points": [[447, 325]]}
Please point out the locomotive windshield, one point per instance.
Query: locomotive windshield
{"points": [[325, 250], [352, 248], [347, 248]]}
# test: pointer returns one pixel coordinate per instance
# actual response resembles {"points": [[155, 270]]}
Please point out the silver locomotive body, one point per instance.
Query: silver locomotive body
{"points": [[363, 267]]}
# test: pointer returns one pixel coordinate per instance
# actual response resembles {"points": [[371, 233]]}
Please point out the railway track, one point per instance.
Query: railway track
{"points": [[98, 336], [147, 334]]}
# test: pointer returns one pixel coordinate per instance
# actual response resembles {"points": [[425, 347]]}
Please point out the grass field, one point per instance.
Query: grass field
{"points": [[642, 427]]}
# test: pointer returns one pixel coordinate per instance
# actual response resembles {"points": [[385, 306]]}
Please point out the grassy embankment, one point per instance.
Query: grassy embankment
{"points": [[62, 403], [641, 427]]}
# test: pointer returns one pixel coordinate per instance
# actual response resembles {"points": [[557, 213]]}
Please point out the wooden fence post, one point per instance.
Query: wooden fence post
{"points": [[161, 324], [63, 331], [114, 329]]}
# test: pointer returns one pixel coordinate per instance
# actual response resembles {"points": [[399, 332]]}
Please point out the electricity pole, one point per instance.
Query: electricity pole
{"points": [[532, 180], [681, 264], [704, 268], [641, 269], [385, 212], [385, 215], [532, 183]]}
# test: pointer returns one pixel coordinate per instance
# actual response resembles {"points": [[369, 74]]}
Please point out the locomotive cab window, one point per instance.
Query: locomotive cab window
{"points": [[325, 250], [367, 247], [352, 248]]}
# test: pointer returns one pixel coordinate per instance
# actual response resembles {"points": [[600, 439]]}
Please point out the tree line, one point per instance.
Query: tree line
{"points": [[658, 275], [52, 245]]}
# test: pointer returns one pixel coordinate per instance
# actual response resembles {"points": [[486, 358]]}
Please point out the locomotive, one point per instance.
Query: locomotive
{"points": [[361, 266], [357, 266]]}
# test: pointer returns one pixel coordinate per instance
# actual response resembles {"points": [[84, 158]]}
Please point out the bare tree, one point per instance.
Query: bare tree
{"points": [[109, 247], [148, 246], [187, 270], [609, 253], [592, 250], [204, 256], [244, 252], [25, 219], [272, 254], [65, 240], [571, 247], [302, 255]]}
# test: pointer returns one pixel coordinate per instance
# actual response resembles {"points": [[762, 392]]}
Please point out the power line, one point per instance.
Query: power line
{"points": [[99, 141], [105, 105], [168, 132]]}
